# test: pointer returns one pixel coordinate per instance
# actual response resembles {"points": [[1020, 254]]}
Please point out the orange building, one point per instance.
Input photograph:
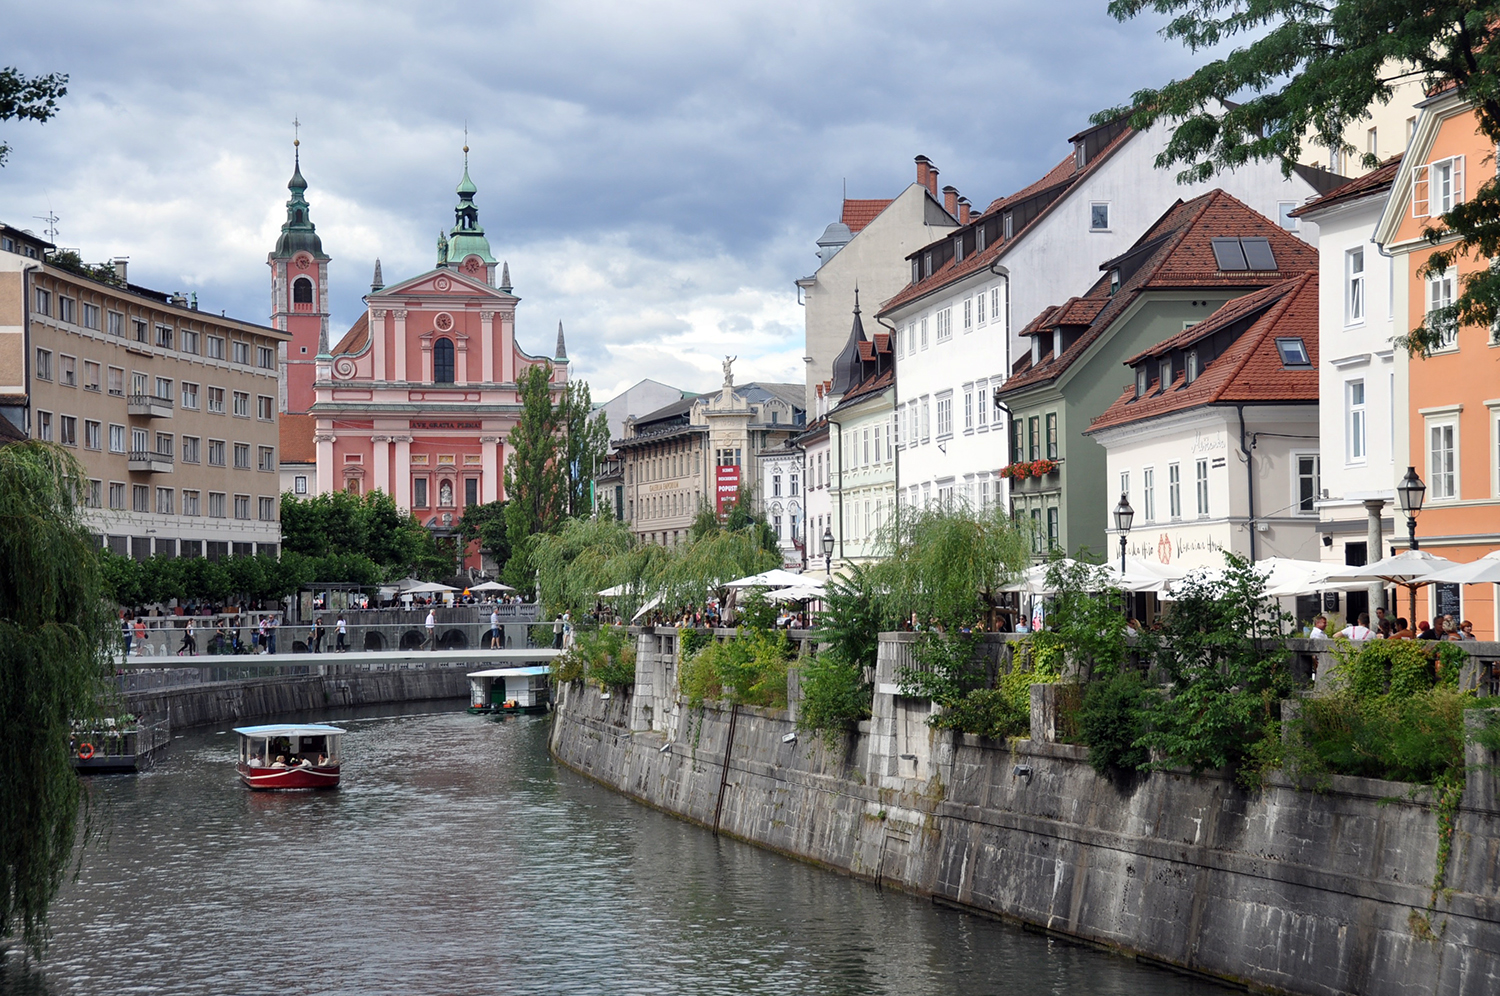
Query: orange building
{"points": [[1452, 398]]}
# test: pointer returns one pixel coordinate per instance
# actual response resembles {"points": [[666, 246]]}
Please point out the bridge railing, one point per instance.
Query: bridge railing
{"points": [[455, 629]]}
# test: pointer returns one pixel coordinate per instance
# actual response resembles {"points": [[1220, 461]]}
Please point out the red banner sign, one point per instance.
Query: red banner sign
{"points": [[726, 488]]}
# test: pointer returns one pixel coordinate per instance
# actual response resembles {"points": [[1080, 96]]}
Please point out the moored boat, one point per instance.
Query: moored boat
{"points": [[289, 756], [123, 745], [510, 689]]}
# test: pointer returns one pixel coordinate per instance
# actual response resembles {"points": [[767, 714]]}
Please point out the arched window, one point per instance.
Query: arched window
{"points": [[302, 291], [442, 361]]}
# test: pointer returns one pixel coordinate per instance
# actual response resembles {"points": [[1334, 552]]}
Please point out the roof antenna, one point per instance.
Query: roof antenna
{"points": [[51, 219]]}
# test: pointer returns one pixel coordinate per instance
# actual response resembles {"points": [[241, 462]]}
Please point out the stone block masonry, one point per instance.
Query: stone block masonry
{"points": [[1280, 890]]}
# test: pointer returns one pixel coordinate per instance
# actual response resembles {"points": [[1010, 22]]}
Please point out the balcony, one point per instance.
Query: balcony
{"points": [[149, 406], [150, 462]]}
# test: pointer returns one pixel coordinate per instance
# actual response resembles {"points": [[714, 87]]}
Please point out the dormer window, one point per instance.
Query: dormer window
{"points": [[1080, 156], [1293, 352], [1166, 373], [1010, 226], [958, 249], [1114, 282], [916, 271], [1192, 365], [1142, 381], [927, 264], [979, 238]]}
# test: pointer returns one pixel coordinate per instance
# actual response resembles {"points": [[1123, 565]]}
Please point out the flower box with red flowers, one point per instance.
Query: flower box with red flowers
{"points": [[1043, 467]]}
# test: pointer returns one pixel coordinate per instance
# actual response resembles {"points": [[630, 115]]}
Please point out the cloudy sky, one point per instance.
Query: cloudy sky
{"points": [[656, 173]]}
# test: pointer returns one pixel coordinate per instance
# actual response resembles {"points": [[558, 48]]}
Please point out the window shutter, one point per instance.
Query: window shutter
{"points": [[1419, 192], [1458, 179]]}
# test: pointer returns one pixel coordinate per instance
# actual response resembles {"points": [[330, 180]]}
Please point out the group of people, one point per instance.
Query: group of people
{"points": [[296, 761], [316, 634], [1444, 627]]}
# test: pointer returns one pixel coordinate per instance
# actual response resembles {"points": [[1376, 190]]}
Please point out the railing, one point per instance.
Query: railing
{"points": [[149, 405], [134, 678], [238, 635]]}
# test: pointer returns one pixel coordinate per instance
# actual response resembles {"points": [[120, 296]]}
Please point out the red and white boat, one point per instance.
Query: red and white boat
{"points": [[289, 757]]}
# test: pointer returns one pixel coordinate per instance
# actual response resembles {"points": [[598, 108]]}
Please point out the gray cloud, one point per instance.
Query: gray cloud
{"points": [[656, 173]]}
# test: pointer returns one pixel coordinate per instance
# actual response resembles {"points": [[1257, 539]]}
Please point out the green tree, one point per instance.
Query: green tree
{"points": [[585, 443], [534, 483], [28, 98], [581, 559], [486, 525], [1314, 68], [55, 630]]}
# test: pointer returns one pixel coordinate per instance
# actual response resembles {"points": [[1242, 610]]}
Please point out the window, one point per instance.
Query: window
{"points": [[164, 443], [1148, 493], [1243, 253], [1354, 286], [190, 449], [1099, 216], [268, 458], [945, 325], [242, 404], [1442, 463], [1174, 490], [471, 492], [216, 503], [1125, 484], [44, 426], [1017, 441], [117, 495], [265, 357], [911, 338], [924, 333], [189, 396], [1192, 366], [117, 439], [419, 492], [67, 430], [979, 312], [775, 485], [140, 498], [1142, 381], [140, 329], [968, 314], [242, 506], [794, 482], [216, 400], [995, 304], [442, 361], [139, 440], [1284, 215], [242, 456], [164, 388], [117, 324], [982, 403], [1439, 297], [242, 352], [1164, 375], [67, 371], [1202, 475], [138, 384], [1008, 225], [299, 484], [264, 408], [91, 316], [93, 494], [1033, 437], [93, 434], [44, 364], [1293, 352], [302, 291], [926, 433], [1052, 450], [164, 336], [1054, 527], [1372, 142], [189, 342], [1437, 187], [43, 302], [968, 410], [164, 501], [267, 509], [1307, 482], [216, 452], [1114, 282], [1354, 419], [190, 503], [90, 375], [214, 347], [945, 416], [116, 382], [927, 264]]}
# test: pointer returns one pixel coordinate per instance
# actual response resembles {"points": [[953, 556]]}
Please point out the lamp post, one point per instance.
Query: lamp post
{"points": [[1409, 493], [1124, 515], [828, 550]]}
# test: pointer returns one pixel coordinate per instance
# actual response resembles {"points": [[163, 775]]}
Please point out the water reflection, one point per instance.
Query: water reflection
{"points": [[458, 858]]}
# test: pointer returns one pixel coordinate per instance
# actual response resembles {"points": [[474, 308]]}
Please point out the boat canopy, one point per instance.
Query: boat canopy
{"points": [[512, 672], [287, 730]]}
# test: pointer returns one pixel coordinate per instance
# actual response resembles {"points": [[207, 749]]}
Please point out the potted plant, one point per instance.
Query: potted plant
{"points": [[1042, 467]]}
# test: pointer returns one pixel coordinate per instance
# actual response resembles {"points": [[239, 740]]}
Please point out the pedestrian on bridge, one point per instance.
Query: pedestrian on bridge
{"points": [[431, 625], [343, 628], [494, 627]]}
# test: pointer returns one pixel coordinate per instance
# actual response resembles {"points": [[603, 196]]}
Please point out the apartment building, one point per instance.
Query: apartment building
{"points": [[171, 411]]}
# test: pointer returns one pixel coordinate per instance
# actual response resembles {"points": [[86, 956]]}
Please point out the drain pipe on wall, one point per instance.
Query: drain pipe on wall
{"points": [[1249, 480]]}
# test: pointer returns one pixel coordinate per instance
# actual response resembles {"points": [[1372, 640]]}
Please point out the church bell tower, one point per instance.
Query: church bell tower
{"points": [[299, 295]]}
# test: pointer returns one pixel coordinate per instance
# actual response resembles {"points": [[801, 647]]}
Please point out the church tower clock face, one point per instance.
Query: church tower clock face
{"points": [[473, 266]]}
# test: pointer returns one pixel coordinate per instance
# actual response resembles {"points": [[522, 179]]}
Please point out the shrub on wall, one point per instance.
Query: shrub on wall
{"points": [[749, 669], [835, 695]]}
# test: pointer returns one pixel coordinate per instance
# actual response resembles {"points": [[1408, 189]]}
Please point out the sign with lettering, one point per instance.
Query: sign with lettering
{"points": [[1447, 598], [473, 426], [726, 488]]}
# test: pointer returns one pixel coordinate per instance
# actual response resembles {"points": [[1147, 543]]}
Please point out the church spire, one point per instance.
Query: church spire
{"points": [[466, 238], [505, 276], [561, 353], [378, 282], [297, 232]]}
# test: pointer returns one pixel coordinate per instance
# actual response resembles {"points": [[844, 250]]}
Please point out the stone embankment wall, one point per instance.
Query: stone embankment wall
{"points": [[263, 698], [1281, 889]]}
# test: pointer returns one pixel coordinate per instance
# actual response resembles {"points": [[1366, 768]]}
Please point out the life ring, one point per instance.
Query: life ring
{"points": [[85, 751]]}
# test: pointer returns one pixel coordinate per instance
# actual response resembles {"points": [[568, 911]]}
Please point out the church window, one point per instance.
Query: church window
{"points": [[302, 291], [442, 361]]}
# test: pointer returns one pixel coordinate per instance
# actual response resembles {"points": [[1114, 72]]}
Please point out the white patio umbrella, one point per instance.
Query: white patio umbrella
{"points": [[798, 593], [774, 578], [427, 588], [1411, 569], [1485, 570], [490, 586], [1143, 575]]}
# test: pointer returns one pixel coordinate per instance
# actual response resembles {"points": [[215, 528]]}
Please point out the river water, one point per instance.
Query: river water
{"points": [[459, 858]]}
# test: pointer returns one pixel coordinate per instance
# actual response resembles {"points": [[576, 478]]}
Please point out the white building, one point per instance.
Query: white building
{"points": [[1357, 376], [862, 488], [815, 453], [780, 494], [968, 295]]}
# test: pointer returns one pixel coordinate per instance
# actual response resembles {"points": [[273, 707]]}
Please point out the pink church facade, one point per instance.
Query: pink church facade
{"points": [[418, 398]]}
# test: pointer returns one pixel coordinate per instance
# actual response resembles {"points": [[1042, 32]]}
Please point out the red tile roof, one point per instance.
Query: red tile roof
{"points": [[1250, 370], [858, 214], [1059, 178], [297, 444], [1178, 254], [358, 336], [1372, 182]]}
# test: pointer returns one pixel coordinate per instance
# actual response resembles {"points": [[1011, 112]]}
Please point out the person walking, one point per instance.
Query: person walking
{"points": [[140, 636], [494, 627], [317, 635], [271, 629], [125, 631], [188, 643], [263, 636], [343, 632], [431, 625]]}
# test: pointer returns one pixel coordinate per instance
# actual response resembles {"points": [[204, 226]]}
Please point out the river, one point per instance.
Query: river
{"points": [[459, 858]]}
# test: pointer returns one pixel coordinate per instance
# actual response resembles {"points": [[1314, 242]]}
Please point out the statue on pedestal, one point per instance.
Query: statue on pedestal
{"points": [[728, 370]]}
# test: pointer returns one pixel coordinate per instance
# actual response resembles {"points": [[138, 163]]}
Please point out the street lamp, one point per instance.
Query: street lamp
{"points": [[828, 550], [1410, 493], [1124, 515]]}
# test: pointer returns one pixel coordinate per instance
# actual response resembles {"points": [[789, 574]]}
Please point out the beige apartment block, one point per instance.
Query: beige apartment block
{"points": [[171, 411]]}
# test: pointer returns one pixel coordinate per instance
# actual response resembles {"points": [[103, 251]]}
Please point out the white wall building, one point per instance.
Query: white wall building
{"points": [[969, 295], [780, 493]]}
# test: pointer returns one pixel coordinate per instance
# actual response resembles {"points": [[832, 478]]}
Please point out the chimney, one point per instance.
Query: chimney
{"points": [[121, 262], [932, 175], [950, 200], [963, 210], [924, 167]]}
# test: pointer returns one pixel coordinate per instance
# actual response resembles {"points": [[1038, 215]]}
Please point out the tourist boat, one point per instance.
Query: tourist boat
{"points": [[289, 756], [506, 690], [113, 746]]}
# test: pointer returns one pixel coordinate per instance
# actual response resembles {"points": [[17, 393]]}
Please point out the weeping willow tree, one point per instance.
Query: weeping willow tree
{"points": [[947, 563], [587, 556], [55, 630]]}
